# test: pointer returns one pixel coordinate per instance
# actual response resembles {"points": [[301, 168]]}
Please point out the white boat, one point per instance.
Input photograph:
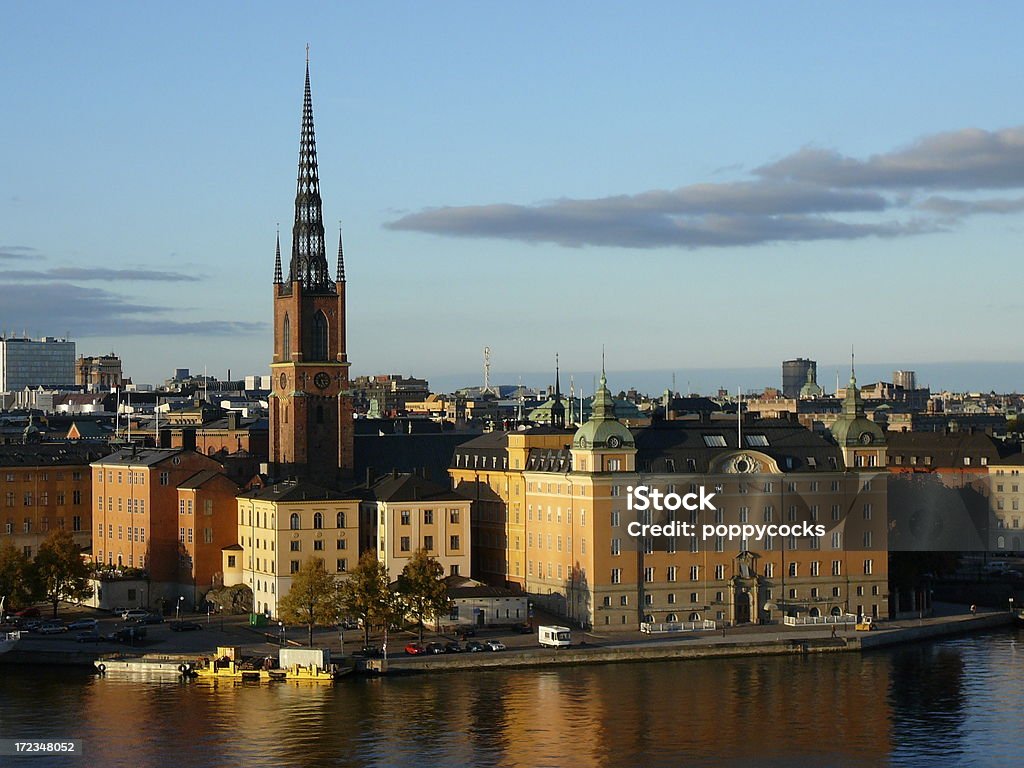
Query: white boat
{"points": [[8, 640]]}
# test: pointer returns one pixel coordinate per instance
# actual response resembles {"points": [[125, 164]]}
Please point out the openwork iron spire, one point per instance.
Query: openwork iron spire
{"points": [[278, 277], [340, 278], [309, 259]]}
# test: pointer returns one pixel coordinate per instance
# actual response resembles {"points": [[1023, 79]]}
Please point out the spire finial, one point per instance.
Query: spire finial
{"points": [[558, 389], [309, 259], [602, 362], [853, 370], [278, 277], [340, 276]]}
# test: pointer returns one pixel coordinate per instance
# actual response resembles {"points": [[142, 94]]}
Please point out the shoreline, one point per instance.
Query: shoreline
{"points": [[759, 642]]}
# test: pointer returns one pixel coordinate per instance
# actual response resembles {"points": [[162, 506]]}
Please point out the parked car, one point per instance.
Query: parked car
{"points": [[51, 628], [494, 645], [89, 637], [370, 652], [133, 613], [128, 634], [434, 648], [185, 626], [467, 632], [83, 624], [32, 624], [28, 613], [474, 646], [149, 618], [524, 629], [453, 647], [415, 649]]}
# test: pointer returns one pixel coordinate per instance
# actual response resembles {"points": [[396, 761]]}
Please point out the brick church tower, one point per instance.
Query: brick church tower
{"points": [[310, 406]]}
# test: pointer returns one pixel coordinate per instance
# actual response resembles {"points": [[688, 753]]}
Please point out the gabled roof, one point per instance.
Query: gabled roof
{"points": [[398, 488], [199, 479]]}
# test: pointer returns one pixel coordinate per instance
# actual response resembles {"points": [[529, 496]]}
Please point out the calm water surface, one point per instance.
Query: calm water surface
{"points": [[954, 702]]}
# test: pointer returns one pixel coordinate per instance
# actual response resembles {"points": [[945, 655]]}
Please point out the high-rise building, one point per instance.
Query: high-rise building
{"points": [[311, 430], [794, 375], [36, 362], [905, 379]]}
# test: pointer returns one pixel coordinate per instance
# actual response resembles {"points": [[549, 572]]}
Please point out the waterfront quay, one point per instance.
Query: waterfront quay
{"points": [[522, 650]]}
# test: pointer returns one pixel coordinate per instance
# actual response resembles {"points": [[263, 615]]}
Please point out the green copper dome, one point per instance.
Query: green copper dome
{"points": [[853, 427], [603, 430]]}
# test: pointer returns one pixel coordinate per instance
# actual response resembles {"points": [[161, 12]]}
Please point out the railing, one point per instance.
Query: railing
{"points": [[798, 621], [651, 628]]}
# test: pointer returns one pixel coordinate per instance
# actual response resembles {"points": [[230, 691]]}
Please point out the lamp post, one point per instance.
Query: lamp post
{"points": [[280, 633], [209, 609], [177, 608], [1011, 603], [221, 608]]}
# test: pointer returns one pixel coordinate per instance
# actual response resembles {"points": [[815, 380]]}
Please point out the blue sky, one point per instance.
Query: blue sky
{"points": [[695, 187]]}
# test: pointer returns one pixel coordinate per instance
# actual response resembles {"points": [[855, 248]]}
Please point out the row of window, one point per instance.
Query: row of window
{"points": [[135, 533], [133, 478], [120, 560], [43, 499], [28, 477], [428, 516], [405, 543], [44, 524], [134, 505], [671, 573]]}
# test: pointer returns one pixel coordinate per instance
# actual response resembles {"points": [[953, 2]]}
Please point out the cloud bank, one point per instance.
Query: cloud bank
{"points": [[96, 312], [812, 194], [109, 275]]}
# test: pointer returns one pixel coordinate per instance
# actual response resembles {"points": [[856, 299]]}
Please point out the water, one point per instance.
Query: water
{"points": [[953, 702]]}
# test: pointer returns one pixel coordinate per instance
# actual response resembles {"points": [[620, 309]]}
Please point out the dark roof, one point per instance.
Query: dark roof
{"points": [[946, 450], [201, 478], [692, 446], [137, 457], [90, 429], [51, 454], [295, 490], [252, 424], [407, 487], [431, 453]]}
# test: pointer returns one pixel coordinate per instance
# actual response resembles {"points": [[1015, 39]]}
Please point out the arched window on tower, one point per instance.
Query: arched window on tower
{"points": [[286, 338], [319, 350]]}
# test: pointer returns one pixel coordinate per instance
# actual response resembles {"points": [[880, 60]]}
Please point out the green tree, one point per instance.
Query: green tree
{"points": [[15, 576], [313, 598], [422, 588], [59, 571], [365, 594]]}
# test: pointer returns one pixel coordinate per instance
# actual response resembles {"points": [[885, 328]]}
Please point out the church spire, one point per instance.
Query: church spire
{"points": [[278, 277], [309, 259], [557, 408], [340, 276]]}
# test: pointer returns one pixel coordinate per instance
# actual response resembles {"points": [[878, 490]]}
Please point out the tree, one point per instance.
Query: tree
{"points": [[15, 575], [365, 594], [313, 598], [60, 573], [422, 588]]}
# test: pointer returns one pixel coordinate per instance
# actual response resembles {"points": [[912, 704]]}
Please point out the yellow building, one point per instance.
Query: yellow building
{"points": [[585, 558], [489, 470], [284, 524], [1006, 500], [403, 512]]}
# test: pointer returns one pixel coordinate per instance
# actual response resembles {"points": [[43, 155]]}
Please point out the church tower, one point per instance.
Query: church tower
{"points": [[311, 433]]}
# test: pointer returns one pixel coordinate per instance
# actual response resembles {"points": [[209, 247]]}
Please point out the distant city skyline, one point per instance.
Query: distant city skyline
{"points": [[705, 188]]}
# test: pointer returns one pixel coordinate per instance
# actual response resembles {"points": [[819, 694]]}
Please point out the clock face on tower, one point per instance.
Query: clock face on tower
{"points": [[322, 380]]}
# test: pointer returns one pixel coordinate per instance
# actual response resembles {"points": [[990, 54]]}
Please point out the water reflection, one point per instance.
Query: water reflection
{"points": [[950, 702]]}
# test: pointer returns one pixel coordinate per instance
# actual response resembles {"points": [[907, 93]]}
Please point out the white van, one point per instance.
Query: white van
{"points": [[554, 637]]}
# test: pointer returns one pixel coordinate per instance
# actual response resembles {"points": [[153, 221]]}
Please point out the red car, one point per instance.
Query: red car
{"points": [[28, 613], [415, 649]]}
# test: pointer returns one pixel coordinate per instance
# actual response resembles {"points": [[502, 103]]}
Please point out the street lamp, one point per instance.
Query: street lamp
{"points": [[221, 609], [1011, 603], [280, 633], [177, 608]]}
